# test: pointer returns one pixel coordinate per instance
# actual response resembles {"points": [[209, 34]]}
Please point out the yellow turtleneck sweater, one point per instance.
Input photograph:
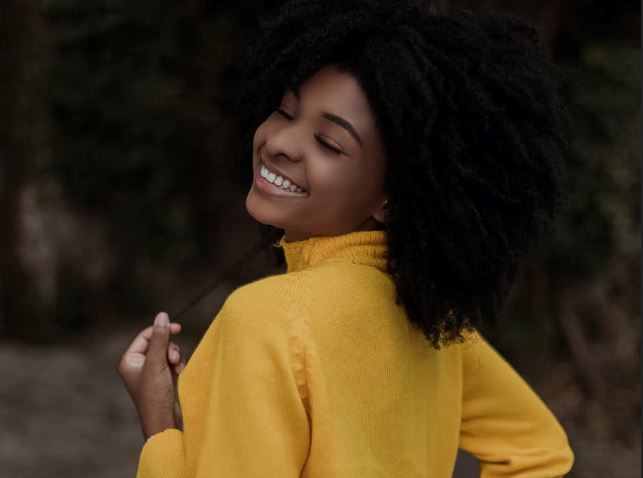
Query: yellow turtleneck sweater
{"points": [[317, 373]]}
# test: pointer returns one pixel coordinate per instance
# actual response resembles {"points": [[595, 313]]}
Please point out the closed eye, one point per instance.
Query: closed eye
{"points": [[317, 137], [328, 146], [284, 114]]}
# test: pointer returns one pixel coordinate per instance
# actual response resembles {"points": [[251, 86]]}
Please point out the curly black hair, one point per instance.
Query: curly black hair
{"points": [[473, 117]]}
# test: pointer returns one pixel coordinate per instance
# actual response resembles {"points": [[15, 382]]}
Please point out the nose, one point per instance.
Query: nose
{"points": [[284, 142]]}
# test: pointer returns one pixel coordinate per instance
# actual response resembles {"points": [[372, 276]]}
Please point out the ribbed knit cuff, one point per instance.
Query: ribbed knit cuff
{"points": [[162, 456]]}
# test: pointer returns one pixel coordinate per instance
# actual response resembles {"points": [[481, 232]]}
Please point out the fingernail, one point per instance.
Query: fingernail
{"points": [[162, 320]]}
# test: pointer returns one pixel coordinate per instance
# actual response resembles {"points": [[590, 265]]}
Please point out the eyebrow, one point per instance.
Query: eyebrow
{"points": [[338, 120]]}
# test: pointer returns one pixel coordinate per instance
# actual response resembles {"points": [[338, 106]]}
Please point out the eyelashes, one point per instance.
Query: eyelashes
{"points": [[284, 114], [328, 146], [317, 137]]}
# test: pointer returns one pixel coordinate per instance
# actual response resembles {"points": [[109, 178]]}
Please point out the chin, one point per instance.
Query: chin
{"points": [[259, 212]]}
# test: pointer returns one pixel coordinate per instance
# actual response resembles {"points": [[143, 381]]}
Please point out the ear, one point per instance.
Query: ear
{"points": [[381, 213]]}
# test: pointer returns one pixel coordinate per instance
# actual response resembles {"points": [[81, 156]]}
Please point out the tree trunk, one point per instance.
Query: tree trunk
{"points": [[24, 146]]}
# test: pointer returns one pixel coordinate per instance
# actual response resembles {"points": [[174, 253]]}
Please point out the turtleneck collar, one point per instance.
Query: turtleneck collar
{"points": [[359, 247]]}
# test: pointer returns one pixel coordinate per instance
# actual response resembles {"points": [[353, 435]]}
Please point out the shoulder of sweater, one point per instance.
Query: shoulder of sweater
{"points": [[288, 295], [262, 307], [272, 290], [292, 285], [343, 278]]}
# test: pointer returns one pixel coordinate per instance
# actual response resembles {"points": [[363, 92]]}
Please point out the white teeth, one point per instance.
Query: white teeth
{"points": [[278, 180]]}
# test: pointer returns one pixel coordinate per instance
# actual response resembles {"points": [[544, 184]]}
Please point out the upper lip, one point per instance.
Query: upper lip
{"points": [[280, 173]]}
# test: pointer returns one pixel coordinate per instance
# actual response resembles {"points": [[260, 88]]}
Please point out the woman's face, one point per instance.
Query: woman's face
{"points": [[323, 138]]}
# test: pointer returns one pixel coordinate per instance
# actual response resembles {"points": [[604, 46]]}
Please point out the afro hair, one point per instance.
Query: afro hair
{"points": [[472, 115]]}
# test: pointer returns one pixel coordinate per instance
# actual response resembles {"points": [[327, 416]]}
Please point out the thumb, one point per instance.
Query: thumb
{"points": [[160, 338]]}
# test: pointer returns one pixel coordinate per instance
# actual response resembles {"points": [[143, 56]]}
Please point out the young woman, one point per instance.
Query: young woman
{"points": [[408, 160]]}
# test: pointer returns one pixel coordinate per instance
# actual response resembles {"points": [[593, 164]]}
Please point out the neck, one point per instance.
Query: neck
{"points": [[370, 224]]}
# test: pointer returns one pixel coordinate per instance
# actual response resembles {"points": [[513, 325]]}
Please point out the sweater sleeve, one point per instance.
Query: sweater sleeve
{"points": [[162, 456], [504, 423], [255, 423]]}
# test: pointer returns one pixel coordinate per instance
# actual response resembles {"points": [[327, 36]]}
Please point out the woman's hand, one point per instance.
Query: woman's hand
{"points": [[149, 368]]}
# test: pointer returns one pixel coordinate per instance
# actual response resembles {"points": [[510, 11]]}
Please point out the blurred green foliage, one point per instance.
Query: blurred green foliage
{"points": [[140, 103], [601, 221], [596, 237], [137, 97]]}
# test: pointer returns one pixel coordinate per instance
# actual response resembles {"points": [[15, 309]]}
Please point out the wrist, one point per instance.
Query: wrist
{"points": [[156, 423]]}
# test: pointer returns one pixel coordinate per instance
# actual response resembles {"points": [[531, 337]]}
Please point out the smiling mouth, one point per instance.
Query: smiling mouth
{"points": [[279, 181], [274, 190]]}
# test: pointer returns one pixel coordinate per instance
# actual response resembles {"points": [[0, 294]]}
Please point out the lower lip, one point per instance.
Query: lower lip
{"points": [[273, 190]]}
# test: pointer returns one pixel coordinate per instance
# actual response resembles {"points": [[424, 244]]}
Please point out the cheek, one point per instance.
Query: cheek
{"points": [[338, 183], [356, 190]]}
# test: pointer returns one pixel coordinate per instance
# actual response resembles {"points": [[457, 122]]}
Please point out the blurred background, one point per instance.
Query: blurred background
{"points": [[117, 200]]}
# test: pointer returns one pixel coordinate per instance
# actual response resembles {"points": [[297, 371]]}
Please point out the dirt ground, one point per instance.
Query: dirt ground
{"points": [[65, 414]]}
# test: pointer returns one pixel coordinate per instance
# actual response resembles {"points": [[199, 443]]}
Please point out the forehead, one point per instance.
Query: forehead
{"points": [[339, 93]]}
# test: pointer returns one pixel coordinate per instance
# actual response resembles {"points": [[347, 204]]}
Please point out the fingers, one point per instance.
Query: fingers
{"points": [[178, 368], [173, 353], [134, 358], [158, 343], [141, 343]]}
